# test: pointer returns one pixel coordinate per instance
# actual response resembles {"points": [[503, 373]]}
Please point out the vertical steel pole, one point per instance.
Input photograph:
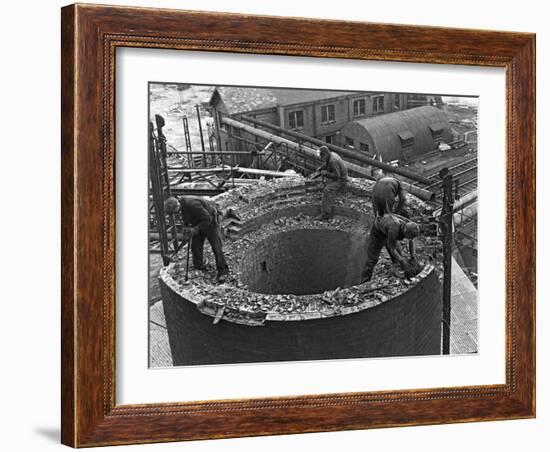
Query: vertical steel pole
{"points": [[202, 138], [447, 239], [218, 134], [157, 192], [162, 165], [210, 131], [188, 148]]}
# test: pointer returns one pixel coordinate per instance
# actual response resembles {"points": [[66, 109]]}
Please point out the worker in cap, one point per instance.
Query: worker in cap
{"points": [[387, 230], [201, 220], [388, 195], [335, 173]]}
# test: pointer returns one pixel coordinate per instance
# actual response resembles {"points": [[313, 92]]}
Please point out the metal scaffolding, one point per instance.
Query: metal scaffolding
{"points": [[165, 225]]}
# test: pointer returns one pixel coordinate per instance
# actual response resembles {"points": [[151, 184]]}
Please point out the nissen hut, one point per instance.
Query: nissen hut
{"points": [[402, 135]]}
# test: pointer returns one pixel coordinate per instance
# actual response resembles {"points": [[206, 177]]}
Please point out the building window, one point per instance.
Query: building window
{"points": [[407, 140], [327, 113], [296, 119], [349, 142], [378, 104], [364, 147], [359, 107], [329, 139]]}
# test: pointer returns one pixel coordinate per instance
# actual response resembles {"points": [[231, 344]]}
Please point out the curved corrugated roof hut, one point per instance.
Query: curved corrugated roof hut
{"points": [[402, 135]]}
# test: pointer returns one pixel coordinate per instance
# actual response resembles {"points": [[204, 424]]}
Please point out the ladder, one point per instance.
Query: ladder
{"points": [[160, 187], [193, 161]]}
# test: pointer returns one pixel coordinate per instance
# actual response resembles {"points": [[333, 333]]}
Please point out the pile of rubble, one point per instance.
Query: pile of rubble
{"points": [[278, 206]]}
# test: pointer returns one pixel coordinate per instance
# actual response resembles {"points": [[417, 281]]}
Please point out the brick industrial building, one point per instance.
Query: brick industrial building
{"points": [[315, 113]]}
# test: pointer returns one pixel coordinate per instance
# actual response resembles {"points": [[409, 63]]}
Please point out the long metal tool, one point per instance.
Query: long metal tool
{"points": [[187, 263], [202, 138]]}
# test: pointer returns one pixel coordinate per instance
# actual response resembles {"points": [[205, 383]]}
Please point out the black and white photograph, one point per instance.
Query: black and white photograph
{"points": [[298, 224]]}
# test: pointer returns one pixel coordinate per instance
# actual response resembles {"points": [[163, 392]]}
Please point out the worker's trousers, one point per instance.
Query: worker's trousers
{"points": [[384, 206], [214, 236], [329, 195], [377, 241]]}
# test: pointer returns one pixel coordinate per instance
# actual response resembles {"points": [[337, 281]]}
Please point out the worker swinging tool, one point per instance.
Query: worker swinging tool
{"points": [[335, 173], [201, 221]]}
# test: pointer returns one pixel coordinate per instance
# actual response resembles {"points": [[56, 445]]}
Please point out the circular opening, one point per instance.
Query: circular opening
{"points": [[304, 261]]}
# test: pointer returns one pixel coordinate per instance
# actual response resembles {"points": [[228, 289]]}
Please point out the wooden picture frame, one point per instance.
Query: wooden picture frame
{"points": [[90, 36]]}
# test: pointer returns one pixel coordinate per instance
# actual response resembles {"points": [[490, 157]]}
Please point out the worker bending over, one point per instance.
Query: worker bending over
{"points": [[387, 230], [388, 196], [201, 220], [336, 174]]}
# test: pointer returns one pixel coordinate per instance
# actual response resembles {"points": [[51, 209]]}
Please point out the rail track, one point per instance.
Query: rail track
{"points": [[464, 172]]}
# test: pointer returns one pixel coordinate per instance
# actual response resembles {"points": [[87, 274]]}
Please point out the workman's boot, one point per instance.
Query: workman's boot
{"points": [[222, 276]]}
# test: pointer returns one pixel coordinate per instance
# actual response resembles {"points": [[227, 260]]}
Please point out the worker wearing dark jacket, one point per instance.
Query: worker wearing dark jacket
{"points": [[388, 196], [387, 230], [201, 219], [336, 174]]}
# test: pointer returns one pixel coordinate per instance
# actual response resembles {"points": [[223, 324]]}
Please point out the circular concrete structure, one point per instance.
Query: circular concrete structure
{"points": [[294, 291]]}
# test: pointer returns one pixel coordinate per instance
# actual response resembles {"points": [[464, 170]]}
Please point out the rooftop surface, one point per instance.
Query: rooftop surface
{"points": [[240, 100]]}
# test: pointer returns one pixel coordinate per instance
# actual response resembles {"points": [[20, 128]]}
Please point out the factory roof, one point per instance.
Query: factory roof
{"points": [[404, 121], [240, 99]]}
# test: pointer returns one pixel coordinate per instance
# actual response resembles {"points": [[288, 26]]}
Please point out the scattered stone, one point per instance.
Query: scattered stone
{"points": [[219, 315], [284, 205]]}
